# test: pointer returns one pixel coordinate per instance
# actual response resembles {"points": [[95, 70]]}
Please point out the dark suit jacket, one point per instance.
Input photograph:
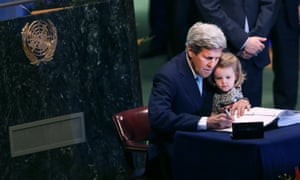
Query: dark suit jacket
{"points": [[285, 46], [230, 15], [292, 15], [287, 12], [175, 102]]}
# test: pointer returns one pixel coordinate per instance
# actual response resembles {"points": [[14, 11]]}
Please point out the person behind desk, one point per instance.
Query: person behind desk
{"points": [[228, 77], [176, 102]]}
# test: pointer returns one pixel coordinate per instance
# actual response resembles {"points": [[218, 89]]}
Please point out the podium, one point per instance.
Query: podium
{"points": [[93, 72]]}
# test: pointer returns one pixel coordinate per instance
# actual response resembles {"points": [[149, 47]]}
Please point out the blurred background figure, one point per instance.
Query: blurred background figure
{"points": [[159, 21], [246, 25], [285, 61], [184, 15], [169, 22]]}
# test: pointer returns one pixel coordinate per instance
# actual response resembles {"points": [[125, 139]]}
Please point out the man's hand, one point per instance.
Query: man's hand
{"points": [[246, 55], [219, 121], [224, 120], [254, 45]]}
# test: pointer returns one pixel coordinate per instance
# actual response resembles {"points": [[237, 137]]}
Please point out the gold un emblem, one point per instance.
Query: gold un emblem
{"points": [[39, 41]]}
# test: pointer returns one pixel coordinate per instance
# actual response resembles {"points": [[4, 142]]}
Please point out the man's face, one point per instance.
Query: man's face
{"points": [[205, 61]]}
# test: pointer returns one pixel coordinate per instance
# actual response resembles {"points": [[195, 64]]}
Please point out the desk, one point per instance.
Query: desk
{"points": [[214, 155]]}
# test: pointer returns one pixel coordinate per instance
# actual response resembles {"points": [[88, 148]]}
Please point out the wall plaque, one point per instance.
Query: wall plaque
{"points": [[39, 40], [46, 134]]}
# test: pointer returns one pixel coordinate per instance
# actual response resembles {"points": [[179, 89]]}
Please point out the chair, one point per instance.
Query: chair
{"points": [[133, 128]]}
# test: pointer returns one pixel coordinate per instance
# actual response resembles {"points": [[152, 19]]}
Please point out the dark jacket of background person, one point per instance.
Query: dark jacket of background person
{"points": [[285, 63], [230, 15]]}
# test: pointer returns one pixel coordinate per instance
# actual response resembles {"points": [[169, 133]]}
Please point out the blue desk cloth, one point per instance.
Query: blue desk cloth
{"points": [[214, 155]]}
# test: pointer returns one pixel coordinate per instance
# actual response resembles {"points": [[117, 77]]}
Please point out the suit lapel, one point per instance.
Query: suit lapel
{"points": [[187, 79]]}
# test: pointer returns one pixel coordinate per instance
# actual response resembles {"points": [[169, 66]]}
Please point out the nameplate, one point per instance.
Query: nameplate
{"points": [[47, 134], [247, 130]]}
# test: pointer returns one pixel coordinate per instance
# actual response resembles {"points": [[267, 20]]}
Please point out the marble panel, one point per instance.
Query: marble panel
{"points": [[94, 70]]}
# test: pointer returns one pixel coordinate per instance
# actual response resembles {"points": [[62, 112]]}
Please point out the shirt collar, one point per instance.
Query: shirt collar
{"points": [[190, 66]]}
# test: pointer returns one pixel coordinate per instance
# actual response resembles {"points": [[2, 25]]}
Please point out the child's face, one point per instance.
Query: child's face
{"points": [[224, 78]]}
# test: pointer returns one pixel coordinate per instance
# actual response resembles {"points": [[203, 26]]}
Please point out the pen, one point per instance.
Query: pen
{"points": [[256, 114], [227, 111]]}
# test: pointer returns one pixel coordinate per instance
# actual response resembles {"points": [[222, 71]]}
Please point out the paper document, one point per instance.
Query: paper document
{"points": [[258, 114], [288, 117]]}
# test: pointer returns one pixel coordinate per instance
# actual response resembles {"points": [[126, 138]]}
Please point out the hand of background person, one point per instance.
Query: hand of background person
{"points": [[219, 121], [245, 55], [254, 45]]}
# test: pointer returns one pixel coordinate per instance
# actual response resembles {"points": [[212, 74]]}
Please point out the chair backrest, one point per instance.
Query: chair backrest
{"points": [[133, 127]]}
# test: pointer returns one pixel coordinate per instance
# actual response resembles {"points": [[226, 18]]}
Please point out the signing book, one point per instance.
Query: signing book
{"points": [[279, 117]]}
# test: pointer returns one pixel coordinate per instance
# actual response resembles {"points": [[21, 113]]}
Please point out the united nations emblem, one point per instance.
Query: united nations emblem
{"points": [[39, 41]]}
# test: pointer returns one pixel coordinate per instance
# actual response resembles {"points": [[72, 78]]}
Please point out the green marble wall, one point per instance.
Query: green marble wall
{"points": [[94, 70]]}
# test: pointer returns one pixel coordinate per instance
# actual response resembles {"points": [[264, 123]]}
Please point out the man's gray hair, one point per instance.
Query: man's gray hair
{"points": [[204, 35]]}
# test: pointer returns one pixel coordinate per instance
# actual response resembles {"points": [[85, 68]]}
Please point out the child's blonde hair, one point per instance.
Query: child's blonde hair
{"points": [[228, 59]]}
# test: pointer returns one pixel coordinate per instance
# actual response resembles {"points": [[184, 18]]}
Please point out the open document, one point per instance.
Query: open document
{"points": [[288, 117], [283, 117]]}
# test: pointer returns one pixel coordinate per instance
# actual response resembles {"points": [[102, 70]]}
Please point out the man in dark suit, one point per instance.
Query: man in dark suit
{"points": [[178, 102], [184, 15], [285, 63], [159, 22], [246, 25]]}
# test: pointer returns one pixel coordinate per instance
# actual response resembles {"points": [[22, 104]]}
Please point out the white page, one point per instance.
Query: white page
{"points": [[288, 117], [257, 114]]}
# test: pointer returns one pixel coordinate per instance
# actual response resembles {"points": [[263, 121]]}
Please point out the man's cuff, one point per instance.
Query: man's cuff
{"points": [[243, 46], [202, 124]]}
